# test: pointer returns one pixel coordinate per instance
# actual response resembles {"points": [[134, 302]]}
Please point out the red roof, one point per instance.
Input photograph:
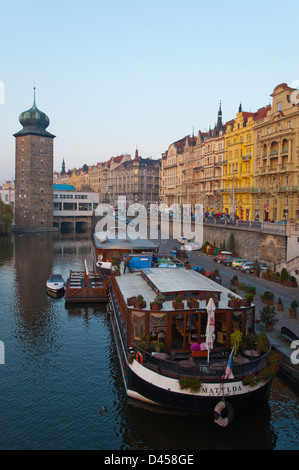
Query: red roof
{"points": [[262, 112]]}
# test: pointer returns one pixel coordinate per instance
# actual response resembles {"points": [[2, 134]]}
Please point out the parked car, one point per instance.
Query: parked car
{"points": [[238, 262], [183, 240], [221, 255], [227, 261], [193, 246], [210, 274], [282, 222], [247, 267]]}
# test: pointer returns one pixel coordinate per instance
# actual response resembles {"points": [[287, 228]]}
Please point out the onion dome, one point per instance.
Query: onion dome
{"points": [[34, 122]]}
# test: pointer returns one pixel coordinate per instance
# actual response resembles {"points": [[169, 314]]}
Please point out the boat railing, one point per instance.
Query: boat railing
{"points": [[213, 369], [85, 290]]}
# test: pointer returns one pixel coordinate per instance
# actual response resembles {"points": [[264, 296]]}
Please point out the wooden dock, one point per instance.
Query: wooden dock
{"points": [[86, 287]]}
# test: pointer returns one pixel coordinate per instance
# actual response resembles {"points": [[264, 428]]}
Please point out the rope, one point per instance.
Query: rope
{"points": [[286, 365]]}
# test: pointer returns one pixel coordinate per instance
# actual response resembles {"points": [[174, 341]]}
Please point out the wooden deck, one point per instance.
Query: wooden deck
{"points": [[86, 287]]}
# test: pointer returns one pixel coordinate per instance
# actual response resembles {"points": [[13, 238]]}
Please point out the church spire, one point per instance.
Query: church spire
{"points": [[219, 125], [63, 168]]}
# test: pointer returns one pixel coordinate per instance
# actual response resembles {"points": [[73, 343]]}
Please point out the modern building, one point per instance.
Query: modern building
{"points": [[34, 172]]}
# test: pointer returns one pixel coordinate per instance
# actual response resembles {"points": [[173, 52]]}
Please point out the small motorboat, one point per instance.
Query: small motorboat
{"points": [[55, 284]]}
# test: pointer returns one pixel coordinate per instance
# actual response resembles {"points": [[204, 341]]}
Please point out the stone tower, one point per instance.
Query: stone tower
{"points": [[34, 172]]}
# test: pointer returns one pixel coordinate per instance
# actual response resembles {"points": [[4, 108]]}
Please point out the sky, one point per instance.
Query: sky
{"points": [[117, 75]]}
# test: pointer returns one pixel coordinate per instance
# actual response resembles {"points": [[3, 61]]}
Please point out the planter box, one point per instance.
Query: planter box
{"points": [[178, 305], [245, 303], [155, 306], [293, 313], [289, 283], [139, 305], [234, 304], [279, 307], [192, 304], [199, 353], [131, 301], [268, 301]]}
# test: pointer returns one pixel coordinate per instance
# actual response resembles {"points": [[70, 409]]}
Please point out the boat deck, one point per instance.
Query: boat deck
{"points": [[86, 287]]}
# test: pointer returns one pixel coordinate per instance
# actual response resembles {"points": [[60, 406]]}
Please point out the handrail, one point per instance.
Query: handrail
{"points": [[212, 371]]}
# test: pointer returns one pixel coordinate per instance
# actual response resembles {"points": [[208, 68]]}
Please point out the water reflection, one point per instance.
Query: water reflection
{"points": [[63, 359]]}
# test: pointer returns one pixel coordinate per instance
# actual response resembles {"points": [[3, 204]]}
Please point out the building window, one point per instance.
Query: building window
{"points": [[279, 106]]}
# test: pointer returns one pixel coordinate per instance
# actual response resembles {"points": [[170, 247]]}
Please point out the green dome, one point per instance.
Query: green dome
{"points": [[34, 121]]}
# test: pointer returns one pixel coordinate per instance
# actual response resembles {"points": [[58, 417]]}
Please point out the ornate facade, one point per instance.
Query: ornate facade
{"points": [[276, 162], [249, 166]]}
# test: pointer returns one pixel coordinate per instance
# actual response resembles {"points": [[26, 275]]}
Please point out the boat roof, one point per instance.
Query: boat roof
{"points": [[123, 242], [169, 280], [177, 280]]}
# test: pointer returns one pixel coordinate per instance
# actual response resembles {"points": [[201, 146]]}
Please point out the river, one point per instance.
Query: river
{"points": [[61, 368]]}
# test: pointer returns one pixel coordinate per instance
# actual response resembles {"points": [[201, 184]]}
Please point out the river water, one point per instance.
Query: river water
{"points": [[60, 368]]}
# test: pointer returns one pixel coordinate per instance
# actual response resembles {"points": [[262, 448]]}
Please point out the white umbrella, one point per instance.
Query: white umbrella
{"points": [[210, 336]]}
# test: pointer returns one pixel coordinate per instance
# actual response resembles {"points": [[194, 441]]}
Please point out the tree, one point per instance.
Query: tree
{"points": [[232, 243], [5, 218]]}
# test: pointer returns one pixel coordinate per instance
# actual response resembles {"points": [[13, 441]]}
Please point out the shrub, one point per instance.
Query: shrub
{"points": [[268, 315], [193, 384], [262, 342]]}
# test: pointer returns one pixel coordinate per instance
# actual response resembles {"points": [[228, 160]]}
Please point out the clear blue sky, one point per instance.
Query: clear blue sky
{"points": [[115, 75]]}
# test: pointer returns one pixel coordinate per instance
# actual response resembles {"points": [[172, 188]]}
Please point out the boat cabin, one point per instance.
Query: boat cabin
{"points": [[116, 242], [182, 318]]}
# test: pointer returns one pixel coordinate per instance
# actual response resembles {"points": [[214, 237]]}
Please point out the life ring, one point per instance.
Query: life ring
{"points": [[224, 413], [139, 357]]}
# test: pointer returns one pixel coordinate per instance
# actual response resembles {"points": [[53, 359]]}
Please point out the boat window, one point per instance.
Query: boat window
{"points": [[220, 329], [177, 331], [192, 328], [237, 320], [137, 325], [157, 327], [248, 322]]}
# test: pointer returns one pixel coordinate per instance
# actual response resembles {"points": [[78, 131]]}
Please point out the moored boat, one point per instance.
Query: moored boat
{"points": [[179, 355], [55, 284]]}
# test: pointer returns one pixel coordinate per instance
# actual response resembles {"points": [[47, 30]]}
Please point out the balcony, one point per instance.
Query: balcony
{"points": [[246, 157]]}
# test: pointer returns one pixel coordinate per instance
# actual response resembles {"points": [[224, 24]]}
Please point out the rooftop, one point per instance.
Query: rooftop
{"points": [[170, 281], [121, 241]]}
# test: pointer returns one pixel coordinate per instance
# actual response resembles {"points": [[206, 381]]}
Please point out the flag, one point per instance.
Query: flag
{"points": [[229, 366]]}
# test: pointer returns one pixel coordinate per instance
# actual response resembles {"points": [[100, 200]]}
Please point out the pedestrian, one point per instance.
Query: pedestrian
{"points": [[127, 264]]}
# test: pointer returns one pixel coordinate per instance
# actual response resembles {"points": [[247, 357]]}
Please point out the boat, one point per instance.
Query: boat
{"points": [[55, 284], [177, 355]]}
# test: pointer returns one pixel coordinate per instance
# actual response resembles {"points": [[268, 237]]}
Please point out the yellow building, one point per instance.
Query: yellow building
{"points": [[238, 165], [276, 163]]}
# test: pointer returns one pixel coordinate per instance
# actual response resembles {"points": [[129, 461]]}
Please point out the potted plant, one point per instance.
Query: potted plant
{"points": [[159, 346], [293, 309], [235, 339], [256, 268], [279, 305], [262, 342], [234, 302], [157, 304], [139, 302], [178, 304], [268, 297], [246, 302], [116, 270], [192, 302], [268, 316], [131, 301], [234, 280]]}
